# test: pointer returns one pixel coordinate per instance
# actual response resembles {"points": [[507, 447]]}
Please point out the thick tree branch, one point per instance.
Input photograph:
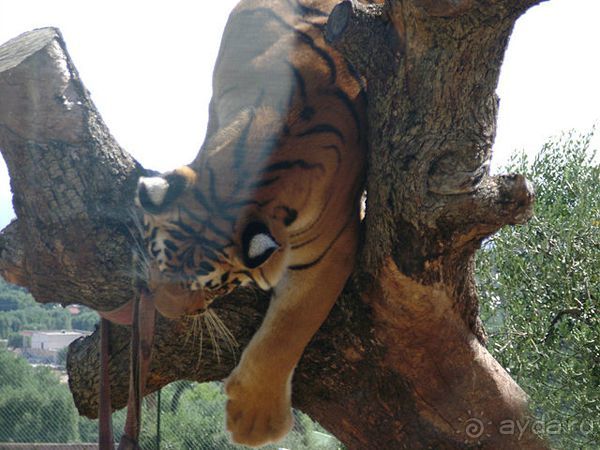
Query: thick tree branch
{"points": [[436, 113], [350, 22], [364, 365], [432, 95], [71, 181], [12, 256], [444, 8]]}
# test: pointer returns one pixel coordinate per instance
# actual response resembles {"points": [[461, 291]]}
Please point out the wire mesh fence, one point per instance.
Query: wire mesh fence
{"points": [[36, 409]]}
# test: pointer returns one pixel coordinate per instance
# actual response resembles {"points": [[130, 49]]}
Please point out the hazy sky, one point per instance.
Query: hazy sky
{"points": [[148, 66]]}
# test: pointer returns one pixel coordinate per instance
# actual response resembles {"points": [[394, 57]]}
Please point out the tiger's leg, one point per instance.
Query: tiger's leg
{"points": [[259, 388]]}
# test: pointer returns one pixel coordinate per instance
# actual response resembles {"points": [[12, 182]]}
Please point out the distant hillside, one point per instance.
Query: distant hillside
{"points": [[19, 312]]}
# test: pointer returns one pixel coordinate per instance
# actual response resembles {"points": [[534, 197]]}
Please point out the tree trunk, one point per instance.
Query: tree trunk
{"points": [[400, 362]]}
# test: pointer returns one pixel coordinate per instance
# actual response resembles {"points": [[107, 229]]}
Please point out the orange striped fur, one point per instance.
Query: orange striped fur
{"points": [[272, 199]]}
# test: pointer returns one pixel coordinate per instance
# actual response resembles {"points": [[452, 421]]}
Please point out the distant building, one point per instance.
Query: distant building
{"points": [[74, 310], [54, 340]]}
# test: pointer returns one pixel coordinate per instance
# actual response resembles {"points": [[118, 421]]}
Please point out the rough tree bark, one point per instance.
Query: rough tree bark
{"points": [[400, 362]]}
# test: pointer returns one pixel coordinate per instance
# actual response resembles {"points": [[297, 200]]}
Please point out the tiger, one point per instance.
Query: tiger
{"points": [[271, 200]]}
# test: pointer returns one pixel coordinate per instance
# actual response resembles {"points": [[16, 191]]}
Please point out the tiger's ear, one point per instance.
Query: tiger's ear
{"points": [[257, 244], [156, 193]]}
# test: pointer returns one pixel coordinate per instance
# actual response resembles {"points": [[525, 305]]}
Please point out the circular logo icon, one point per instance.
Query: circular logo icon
{"points": [[474, 428]]}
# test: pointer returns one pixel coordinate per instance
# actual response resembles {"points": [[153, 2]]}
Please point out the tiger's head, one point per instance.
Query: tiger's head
{"points": [[200, 247]]}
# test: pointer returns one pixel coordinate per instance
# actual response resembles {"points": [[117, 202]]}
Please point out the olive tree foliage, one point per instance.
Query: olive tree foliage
{"points": [[34, 405], [540, 291]]}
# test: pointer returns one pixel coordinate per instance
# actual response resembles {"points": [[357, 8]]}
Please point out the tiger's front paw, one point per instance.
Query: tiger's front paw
{"points": [[258, 412]]}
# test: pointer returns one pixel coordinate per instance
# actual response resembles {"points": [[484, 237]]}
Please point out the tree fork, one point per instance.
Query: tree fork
{"points": [[398, 364]]}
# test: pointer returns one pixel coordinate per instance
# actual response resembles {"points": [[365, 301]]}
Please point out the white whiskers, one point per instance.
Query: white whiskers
{"points": [[217, 331], [223, 332], [196, 333]]}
